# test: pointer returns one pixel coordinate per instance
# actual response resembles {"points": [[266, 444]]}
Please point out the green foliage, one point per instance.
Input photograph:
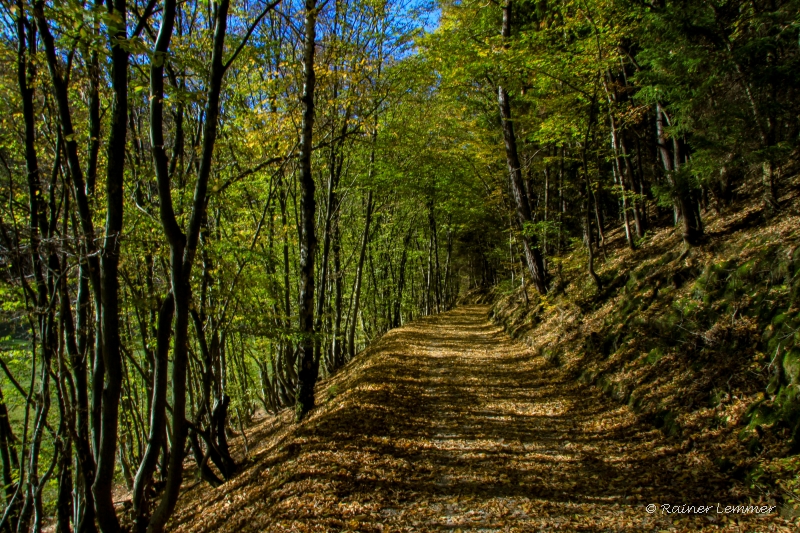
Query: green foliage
{"points": [[542, 229], [654, 355]]}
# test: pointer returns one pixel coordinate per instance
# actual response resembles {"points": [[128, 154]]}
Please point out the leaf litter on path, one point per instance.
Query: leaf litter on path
{"points": [[446, 424]]}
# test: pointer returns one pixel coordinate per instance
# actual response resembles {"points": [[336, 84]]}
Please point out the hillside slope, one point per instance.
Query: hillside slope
{"points": [[447, 424], [700, 342]]}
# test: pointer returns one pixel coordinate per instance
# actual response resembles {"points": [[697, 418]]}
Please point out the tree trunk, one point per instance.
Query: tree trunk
{"points": [[158, 419], [157, 416], [638, 219], [90, 268], [337, 354], [326, 247], [183, 247], [76, 350], [309, 368], [587, 220], [618, 167], [401, 279], [8, 454], [685, 205], [109, 264], [351, 337], [533, 255]]}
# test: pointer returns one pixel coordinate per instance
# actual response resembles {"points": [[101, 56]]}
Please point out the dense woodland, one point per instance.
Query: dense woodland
{"points": [[207, 206]]}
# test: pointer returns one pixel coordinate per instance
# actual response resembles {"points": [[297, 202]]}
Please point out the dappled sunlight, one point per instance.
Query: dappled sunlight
{"points": [[446, 424]]}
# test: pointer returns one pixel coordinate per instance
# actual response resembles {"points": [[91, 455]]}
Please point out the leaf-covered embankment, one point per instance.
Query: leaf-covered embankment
{"points": [[701, 342]]}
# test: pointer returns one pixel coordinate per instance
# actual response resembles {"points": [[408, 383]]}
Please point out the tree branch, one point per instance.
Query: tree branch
{"points": [[250, 31]]}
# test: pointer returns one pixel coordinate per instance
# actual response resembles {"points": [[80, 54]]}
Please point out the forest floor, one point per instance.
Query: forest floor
{"points": [[446, 424]]}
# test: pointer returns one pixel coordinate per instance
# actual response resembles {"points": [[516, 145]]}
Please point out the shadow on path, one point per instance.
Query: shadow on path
{"points": [[446, 424]]}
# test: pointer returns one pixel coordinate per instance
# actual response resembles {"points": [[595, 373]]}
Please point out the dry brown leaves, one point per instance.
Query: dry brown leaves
{"points": [[448, 425]]}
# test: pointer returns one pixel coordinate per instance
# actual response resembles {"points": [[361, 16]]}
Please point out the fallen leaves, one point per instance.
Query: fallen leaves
{"points": [[448, 425]]}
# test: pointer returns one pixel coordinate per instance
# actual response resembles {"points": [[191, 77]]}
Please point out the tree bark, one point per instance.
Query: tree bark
{"points": [[684, 204], [618, 167], [330, 205], [401, 279], [337, 354], [309, 368], [587, 221], [109, 264], [533, 255], [183, 247], [158, 417], [77, 353], [90, 265], [351, 337]]}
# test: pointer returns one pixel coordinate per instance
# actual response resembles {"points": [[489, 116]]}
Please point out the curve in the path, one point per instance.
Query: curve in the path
{"points": [[447, 424]]}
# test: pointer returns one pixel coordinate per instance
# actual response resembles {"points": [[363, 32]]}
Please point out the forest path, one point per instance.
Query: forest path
{"points": [[447, 424]]}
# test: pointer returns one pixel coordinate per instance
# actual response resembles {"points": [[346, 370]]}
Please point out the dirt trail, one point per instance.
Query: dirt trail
{"points": [[446, 424]]}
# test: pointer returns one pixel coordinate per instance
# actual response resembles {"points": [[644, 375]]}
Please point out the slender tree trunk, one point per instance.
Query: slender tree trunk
{"points": [[638, 219], [435, 272], [691, 225], [587, 234], [91, 268], [77, 353], [326, 247], [288, 374], [401, 279], [176, 238], [109, 264], [546, 217], [533, 255], [157, 416], [94, 122], [309, 368], [618, 168], [183, 248], [337, 354], [8, 454], [446, 285], [45, 267], [64, 510], [587, 221], [25, 69], [429, 276], [351, 337], [598, 216]]}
